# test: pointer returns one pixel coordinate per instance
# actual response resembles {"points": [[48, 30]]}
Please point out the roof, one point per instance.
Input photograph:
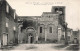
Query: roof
{"points": [[49, 13], [75, 31], [28, 16], [58, 6]]}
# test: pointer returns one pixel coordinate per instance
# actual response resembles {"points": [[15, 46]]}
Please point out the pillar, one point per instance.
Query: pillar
{"points": [[45, 32], [66, 41], [19, 34], [59, 34]]}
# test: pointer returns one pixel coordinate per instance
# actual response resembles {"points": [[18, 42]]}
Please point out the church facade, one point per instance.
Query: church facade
{"points": [[49, 27]]}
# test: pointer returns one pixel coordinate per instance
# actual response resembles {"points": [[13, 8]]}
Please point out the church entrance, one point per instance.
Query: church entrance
{"points": [[31, 34], [30, 38]]}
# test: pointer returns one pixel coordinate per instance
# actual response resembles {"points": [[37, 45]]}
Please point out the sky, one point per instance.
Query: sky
{"points": [[37, 7]]}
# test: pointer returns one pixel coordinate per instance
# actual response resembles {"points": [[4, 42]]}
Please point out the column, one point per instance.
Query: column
{"points": [[45, 32], [66, 41], [19, 34], [59, 34]]}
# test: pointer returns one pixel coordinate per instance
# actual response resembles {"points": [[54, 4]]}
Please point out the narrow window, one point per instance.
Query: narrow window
{"points": [[60, 10], [50, 29], [40, 29], [14, 15], [7, 8], [6, 24], [14, 28]]}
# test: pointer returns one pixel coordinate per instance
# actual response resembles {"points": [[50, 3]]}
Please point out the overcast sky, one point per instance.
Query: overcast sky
{"points": [[36, 7]]}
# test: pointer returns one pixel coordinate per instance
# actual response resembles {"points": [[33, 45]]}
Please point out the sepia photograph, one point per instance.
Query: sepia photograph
{"points": [[39, 25]]}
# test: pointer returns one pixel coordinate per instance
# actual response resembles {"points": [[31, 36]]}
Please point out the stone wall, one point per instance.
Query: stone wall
{"points": [[46, 21], [7, 21]]}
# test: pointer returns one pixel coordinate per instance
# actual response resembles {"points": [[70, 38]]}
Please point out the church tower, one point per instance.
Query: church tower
{"points": [[61, 11]]}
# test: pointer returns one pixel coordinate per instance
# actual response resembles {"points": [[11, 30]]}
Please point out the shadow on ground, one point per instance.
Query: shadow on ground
{"points": [[70, 48], [9, 47], [31, 47], [59, 46], [73, 48]]}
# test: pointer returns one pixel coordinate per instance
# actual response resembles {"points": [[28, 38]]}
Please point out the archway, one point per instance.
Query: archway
{"points": [[31, 34], [27, 31]]}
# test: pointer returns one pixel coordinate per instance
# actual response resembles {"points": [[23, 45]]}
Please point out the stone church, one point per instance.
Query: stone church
{"points": [[49, 27]]}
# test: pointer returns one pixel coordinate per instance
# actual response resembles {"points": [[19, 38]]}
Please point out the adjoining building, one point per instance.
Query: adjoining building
{"points": [[75, 37], [49, 27], [8, 24], [70, 35]]}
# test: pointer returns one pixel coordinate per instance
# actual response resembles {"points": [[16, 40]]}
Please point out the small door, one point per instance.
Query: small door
{"points": [[4, 39], [31, 41]]}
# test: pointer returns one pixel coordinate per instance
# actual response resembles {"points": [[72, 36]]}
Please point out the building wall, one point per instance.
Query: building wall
{"points": [[75, 36], [20, 35], [2, 21], [10, 29], [46, 21], [61, 22], [70, 34], [61, 33], [3, 17], [41, 35], [61, 11], [54, 34], [0, 24], [28, 22], [7, 21]]}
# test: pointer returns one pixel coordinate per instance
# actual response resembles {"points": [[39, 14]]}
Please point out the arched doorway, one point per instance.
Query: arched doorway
{"points": [[27, 27], [31, 34]]}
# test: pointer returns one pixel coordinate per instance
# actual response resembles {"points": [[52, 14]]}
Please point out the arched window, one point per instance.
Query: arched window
{"points": [[56, 9], [7, 8], [61, 10]]}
